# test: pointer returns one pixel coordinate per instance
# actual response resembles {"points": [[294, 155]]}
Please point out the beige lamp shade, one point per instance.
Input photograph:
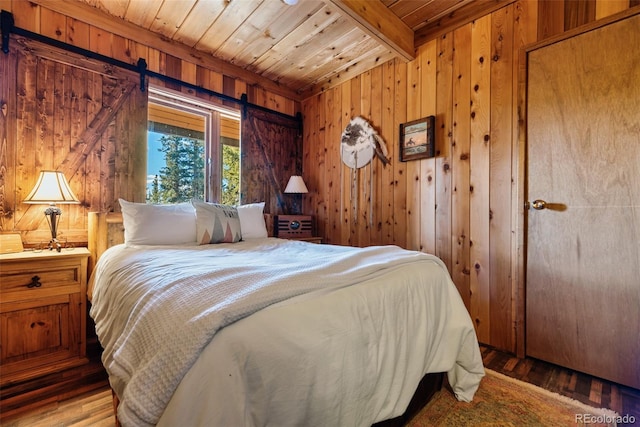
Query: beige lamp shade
{"points": [[51, 188], [296, 185]]}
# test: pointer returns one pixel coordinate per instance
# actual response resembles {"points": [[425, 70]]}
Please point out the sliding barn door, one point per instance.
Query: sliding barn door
{"points": [[61, 111], [583, 244], [271, 151]]}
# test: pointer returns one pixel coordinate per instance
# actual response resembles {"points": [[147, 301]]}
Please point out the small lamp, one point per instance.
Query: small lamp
{"points": [[296, 185], [52, 188]]}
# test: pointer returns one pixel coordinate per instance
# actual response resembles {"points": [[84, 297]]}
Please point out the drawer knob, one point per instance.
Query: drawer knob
{"points": [[35, 282]]}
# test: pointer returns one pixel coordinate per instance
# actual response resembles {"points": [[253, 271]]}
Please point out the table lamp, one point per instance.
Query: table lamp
{"points": [[52, 188], [296, 185]]}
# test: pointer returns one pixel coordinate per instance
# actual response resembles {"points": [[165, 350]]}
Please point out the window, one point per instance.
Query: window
{"points": [[193, 150]]}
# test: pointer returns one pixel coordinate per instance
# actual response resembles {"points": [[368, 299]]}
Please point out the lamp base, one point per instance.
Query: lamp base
{"points": [[53, 214], [54, 244]]}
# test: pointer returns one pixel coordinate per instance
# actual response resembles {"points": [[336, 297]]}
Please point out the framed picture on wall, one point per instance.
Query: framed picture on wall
{"points": [[417, 139]]}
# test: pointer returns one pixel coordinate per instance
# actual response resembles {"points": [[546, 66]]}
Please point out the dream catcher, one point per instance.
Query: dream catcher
{"points": [[358, 145]]}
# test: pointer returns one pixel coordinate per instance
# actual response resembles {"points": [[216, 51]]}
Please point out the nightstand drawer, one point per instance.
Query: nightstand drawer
{"points": [[43, 275], [35, 331]]}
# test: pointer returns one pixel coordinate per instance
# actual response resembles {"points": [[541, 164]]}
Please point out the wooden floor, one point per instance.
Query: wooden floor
{"points": [[94, 408], [592, 391]]}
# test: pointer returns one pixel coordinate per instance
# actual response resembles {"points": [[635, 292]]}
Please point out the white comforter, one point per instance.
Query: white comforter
{"points": [[276, 332]]}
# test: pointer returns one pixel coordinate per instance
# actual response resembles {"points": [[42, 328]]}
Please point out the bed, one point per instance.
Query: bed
{"points": [[267, 331]]}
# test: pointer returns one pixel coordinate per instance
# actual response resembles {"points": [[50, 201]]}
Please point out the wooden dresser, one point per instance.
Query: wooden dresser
{"points": [[42, 313]]}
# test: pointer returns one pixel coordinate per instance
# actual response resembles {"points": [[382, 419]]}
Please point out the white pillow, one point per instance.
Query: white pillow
{"points": [[158, 224], [216, 223], [252, 220]]}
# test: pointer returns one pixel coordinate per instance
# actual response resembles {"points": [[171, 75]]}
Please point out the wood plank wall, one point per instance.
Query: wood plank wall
{"points": [[97, 188], [461, 205]]}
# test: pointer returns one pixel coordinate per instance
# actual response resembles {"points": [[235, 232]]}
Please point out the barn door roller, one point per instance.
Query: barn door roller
{"points": [[6, 24]]}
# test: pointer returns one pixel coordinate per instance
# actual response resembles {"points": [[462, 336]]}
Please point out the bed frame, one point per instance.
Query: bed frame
{"points": [[106, 229]]}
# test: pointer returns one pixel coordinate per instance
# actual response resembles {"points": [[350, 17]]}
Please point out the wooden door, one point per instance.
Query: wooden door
{"points": [[62, 111], [583, 159]]}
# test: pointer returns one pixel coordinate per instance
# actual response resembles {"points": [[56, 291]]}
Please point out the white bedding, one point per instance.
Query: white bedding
{"points": [[303, 334]]}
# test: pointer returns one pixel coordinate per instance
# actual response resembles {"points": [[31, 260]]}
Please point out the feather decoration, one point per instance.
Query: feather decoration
{"points": [[358, 139], [381, 149]]}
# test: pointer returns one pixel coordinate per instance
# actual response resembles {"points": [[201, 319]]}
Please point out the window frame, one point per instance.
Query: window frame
{"points": [[212, 114]]}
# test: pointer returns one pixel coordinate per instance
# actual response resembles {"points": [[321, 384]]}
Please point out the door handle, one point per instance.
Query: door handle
{"points": [[539, 205]]}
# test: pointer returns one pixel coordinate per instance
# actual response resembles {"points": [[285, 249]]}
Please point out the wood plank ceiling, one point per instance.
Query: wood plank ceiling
{"points": [[305, 46]]}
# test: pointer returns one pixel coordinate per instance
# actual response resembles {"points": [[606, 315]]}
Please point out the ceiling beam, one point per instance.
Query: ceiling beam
{"points": [[375, 19]]}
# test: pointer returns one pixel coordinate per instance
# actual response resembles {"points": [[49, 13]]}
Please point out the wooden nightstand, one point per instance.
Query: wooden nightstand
{"points": [[42, 312], [307, 239]]}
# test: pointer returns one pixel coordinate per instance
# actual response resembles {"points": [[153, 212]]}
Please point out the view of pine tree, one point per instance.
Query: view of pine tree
{"points": [[154, 193], [230, 175], [182, 177]]}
